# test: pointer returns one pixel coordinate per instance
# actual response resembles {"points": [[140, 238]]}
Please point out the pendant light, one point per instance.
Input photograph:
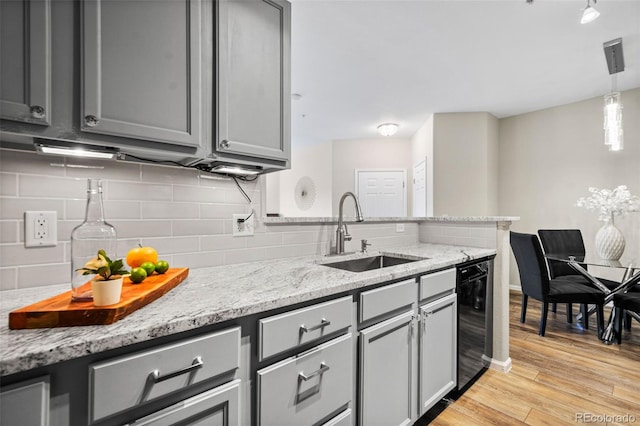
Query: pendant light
{"points": [[613, 126], [589, 14]]}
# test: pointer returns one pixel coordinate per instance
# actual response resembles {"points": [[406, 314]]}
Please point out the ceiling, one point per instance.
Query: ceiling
{"points": [[360, 63]]}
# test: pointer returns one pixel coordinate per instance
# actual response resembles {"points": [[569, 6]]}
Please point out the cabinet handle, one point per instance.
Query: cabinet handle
{"points": [[91, 120], [323, 367], [37, 111], [323, 323], [224, 144], [196, 364]]}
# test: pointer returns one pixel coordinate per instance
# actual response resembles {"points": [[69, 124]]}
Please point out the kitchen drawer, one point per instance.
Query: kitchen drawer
{"points": [[215, 407], [386, 299], [127, 381], [25, 403], [290, 329], [343, 419], [438, 283], [286, 398]]}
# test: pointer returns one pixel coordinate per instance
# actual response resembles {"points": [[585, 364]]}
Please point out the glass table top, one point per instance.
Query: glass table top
{"points": [[624, 262]]}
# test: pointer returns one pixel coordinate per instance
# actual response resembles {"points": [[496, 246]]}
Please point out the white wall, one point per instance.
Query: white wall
{"points": [[348, 155], [313, 161], [465, 153], [421, 148], [549, 158]]}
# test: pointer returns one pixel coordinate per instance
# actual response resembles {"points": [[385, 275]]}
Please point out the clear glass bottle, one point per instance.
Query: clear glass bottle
{"points": [[87, 238]]}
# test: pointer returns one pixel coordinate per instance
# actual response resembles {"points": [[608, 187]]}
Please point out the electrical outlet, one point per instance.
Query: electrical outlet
{"points": [[40, 229], [242, 226], [399, 227]]}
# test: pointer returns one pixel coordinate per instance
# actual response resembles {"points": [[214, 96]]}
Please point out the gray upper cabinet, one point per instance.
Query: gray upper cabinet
{"points": [[141, 70], [253, 79], [25, 61]]}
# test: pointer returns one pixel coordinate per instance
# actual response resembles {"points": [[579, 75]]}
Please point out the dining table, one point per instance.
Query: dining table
{"points": [[630, 278]]}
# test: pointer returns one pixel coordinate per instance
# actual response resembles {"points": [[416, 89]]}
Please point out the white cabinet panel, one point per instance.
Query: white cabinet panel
{"points": [[25, 403]]}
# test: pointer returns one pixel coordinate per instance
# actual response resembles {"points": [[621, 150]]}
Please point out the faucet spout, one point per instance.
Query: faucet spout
{"points": [[341, 233]]}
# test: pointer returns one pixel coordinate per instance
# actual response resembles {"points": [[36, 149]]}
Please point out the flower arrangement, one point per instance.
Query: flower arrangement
{"points": [[610, 203], [104, 267]]}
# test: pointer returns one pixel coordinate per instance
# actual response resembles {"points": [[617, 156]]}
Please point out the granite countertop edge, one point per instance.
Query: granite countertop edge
{"points": [[208, 296]]}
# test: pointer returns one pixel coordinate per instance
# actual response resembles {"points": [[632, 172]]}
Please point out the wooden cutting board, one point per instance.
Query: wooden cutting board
{"points": [[60, 311]]}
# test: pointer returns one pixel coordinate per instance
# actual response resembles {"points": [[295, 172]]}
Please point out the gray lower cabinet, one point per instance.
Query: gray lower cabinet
{"points": [[141, 69], [386, 372], [307, 388], [217, 407], [25, 61], [438, 350], [253, 79], [25, 403]]}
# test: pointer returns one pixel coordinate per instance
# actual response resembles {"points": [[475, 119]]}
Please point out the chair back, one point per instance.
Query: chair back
{"points": [[531, 267], [566, 242]]}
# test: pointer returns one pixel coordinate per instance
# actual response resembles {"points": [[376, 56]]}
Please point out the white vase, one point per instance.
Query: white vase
{"points": [[106, 292], [609, 241]]}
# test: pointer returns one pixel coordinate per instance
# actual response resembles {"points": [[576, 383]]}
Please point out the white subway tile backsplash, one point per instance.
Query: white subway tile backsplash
{"points": [[9, 231], [51, 187], [101, 169], [37, 276], [220, 211], [265, 239], [168, 175], [116, 190], [8, 278], [8, 184], [200, 259], [29, 163], [18, 255], [142, 228], [169, 210], [199, 227], [225, 242], [199, 194], [244, 255], [14, 208]]}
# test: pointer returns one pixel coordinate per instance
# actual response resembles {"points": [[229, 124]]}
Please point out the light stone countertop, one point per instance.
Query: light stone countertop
{"points": [[324, 220], [207, 296]]}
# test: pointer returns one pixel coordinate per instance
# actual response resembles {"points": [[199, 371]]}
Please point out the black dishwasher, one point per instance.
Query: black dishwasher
{"points": [[474, 289]]}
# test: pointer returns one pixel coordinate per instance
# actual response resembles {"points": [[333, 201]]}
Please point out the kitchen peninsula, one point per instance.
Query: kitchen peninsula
{"points": [[222, 297]]}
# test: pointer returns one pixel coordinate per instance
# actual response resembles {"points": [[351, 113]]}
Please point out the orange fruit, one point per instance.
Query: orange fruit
{"points": [[139, 255]]}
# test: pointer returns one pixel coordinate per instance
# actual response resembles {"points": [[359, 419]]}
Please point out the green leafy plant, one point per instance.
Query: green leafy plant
{"points": [[103, 266]]}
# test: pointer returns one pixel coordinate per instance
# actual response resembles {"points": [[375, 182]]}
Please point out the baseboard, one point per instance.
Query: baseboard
{"points": [[501, 366]]}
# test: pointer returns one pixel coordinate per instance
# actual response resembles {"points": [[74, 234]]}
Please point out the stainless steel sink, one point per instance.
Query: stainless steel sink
{"points": [[370, 263]]}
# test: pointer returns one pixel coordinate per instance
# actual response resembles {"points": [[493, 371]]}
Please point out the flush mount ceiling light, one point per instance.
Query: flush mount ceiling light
{"points": [[70, 150], [613, 130], [589, 14], [388, 129]]}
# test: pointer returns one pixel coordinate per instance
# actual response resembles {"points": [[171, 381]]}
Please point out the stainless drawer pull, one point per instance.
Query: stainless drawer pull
{"points": [[323, 323], [323, 367], [157, 378]]}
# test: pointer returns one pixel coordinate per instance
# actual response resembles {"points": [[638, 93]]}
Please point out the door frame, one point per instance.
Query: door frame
{"points": [[397, 169]]}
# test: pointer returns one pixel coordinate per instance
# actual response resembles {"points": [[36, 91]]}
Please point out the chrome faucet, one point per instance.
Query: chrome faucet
{"points": [[342, 234]]}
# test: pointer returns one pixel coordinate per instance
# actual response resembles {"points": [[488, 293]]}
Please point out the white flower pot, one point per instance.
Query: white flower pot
{"points": [[106, 292], [609, 242]]}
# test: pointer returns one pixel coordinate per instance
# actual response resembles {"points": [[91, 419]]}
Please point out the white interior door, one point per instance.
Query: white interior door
{"points": [[382, 193], [420, 189]]}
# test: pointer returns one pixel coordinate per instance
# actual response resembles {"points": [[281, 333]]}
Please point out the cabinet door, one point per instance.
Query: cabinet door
{"points": [[141, 67], [386, 372], [438, 350], [25, 403], [25, 61], [253, 78], [217, 407]]}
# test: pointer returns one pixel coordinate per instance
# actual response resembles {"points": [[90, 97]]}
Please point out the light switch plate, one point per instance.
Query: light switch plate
{"points": [[399, 227], [40, 229]]}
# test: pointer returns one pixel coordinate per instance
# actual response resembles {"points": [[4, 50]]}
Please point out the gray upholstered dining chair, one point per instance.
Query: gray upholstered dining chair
{"points": [[536, 283]]}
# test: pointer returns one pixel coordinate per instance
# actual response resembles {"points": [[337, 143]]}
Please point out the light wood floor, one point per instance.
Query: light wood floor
{"points": [[556, 377]]}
